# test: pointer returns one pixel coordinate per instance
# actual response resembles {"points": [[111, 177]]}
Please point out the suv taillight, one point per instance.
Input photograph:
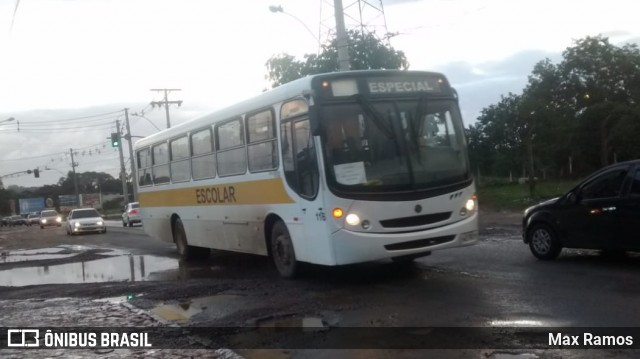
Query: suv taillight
{"points": [[134, 211]]}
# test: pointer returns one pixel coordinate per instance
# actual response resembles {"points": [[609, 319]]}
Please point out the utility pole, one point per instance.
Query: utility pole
{"points": [[341, 35], [75, 180], [123, 172], [166, 102], [134, 178]]}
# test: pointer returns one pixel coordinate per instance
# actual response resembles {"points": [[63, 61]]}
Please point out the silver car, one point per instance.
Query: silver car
{"points": [[85, 220], [131, 214], [50, 218], [34, 218]]}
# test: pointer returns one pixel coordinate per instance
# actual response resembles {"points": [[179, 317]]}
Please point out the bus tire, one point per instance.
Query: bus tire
{"points": [[282, 252], [185, 251]]}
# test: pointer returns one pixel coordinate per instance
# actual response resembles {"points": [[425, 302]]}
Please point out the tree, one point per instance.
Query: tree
{"points": [[366, 51], [601, 81], [584, 111], [90, 182]]}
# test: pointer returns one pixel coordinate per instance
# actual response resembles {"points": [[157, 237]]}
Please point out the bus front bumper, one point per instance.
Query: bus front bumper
{"points": [[355, 247]]}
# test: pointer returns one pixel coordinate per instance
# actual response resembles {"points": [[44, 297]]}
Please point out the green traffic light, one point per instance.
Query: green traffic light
{"points": [[115, 139]]}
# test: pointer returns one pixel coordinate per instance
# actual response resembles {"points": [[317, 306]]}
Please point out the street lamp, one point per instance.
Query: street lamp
{"points": [[276, 9]]}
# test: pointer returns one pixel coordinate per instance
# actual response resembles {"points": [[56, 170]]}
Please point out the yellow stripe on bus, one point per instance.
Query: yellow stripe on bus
{"points": [[253, 192]]}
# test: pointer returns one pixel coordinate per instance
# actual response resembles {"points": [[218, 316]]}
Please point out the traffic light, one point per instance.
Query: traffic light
{"points": [[115, 139], [36, 173]]}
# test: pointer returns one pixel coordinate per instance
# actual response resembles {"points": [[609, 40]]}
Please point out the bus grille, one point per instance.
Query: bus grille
{"points": [[416, 220], [419, 243]]}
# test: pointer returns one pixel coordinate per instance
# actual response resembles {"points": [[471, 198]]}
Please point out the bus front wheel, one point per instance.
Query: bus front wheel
{"points": [[185, 251], [282, 252]]}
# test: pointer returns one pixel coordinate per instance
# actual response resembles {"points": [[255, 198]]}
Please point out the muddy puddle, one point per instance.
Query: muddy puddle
{"points": [[35, 255], [118, 266], [210, 307], [513, 356], [304, 323]]}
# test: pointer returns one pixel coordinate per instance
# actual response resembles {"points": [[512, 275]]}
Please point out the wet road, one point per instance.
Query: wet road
{"points": [[496, 283]]}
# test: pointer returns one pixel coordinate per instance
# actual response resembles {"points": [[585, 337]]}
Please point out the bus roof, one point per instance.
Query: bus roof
{"points": [[281, 93]]}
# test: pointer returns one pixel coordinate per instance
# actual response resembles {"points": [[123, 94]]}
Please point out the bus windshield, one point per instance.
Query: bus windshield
{"points": [[389, 146]]}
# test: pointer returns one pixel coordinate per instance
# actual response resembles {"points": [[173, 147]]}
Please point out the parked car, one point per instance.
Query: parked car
{"points": [[34, 218], [5, 222], [601, 212], [50, 218], [18, 220], [131, 214], [85, 220]]}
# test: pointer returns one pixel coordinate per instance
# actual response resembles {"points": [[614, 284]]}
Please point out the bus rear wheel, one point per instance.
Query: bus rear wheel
{"points": [[282, 252], [185, 251]]}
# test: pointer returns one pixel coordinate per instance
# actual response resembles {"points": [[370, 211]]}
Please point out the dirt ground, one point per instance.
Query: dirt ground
{"points": [[14, 238]]}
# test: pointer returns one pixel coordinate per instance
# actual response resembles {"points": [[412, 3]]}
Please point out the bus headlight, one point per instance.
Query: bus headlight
{"points": [[352, 219], [470, 205]]}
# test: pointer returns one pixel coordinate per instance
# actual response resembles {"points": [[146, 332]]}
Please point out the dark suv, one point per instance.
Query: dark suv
{"points": [[602, 212]]}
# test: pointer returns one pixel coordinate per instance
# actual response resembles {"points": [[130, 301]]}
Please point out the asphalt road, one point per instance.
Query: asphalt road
{"points": [[494, 284]]}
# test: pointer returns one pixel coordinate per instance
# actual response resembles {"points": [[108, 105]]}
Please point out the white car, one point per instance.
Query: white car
{"points": [[131, 214], [85, 220]]}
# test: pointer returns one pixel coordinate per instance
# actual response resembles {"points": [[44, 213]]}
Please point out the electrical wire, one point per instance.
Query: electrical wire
{"points": [[79, 118]]}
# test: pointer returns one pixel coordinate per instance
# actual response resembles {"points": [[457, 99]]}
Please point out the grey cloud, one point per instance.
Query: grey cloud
{"points": [[480, 85]]}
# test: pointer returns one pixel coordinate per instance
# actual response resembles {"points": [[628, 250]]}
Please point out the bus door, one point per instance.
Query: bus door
{"points": [[300, 162]]}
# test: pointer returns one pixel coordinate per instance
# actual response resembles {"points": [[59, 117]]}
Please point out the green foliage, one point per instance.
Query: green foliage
{"points": [[88, 182], [516, 197], [366, 51], [5, 196], [584, 110], [112, 205]]}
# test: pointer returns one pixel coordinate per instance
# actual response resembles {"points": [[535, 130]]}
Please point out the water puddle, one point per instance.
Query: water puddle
{"points": [[528, 320], [26, 255], [113, 269], [304, 323], [513, 356], [212, 307]]}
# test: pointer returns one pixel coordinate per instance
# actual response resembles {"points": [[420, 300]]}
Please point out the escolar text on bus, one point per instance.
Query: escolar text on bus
{"points": [[225, 194]]}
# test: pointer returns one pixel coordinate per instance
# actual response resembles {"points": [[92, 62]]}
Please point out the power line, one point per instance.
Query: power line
{"points": [[166, 102], [79, 118], [52, 154], [101, 126]]}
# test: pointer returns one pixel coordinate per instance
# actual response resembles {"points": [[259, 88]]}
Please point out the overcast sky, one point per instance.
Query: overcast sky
{"points": [[63, 60]]}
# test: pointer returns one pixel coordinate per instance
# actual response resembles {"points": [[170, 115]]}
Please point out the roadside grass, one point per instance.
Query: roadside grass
{"points": [[515, 197]]}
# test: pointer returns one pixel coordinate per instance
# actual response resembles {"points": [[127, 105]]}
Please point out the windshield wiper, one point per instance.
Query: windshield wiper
{"points": [[375, 116]]}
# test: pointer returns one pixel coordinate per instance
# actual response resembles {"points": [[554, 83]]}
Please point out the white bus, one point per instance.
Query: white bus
{"points": [[329, 169]]}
